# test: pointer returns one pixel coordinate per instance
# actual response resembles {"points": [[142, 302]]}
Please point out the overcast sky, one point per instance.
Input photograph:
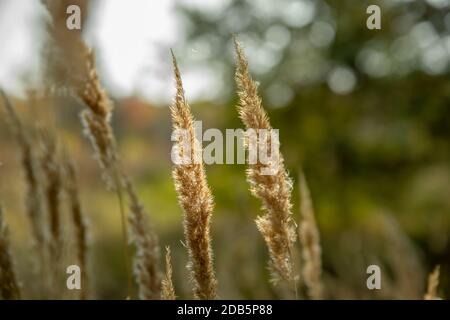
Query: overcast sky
{"points": [[131, 40]]}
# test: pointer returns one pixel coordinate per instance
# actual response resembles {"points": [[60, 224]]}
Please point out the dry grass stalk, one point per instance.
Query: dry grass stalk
{"points": [[81, 75], [168, 291], [274, 191], [310, 242], [433, 283], [75, 64], [194, 197], [146, 259], [9, 286], [99, 132], [34, 205], [78, 220]]}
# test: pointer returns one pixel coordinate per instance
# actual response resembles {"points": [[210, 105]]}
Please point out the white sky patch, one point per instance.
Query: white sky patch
{"points": [[19, 55], [131, 40]]}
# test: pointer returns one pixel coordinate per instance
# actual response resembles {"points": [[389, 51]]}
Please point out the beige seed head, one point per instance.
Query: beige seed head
{"points": [[195, 198], [274, 191]]}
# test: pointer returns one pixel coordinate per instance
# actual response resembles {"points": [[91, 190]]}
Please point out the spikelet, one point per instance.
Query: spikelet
{"points": [[146, 259], [9, 286], [99, 132], [168, 291], [80, 225], [96, 120], [273, 190], [194, 197], [310, 242], [433, 283]]}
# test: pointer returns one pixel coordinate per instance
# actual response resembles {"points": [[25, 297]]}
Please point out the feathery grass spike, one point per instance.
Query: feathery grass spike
{"points": [[274, 191], [194, 197]]}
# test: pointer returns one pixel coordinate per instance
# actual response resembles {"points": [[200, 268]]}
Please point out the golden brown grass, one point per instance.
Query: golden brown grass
{"points": [[310, 242], [194, 197], [274, 191], [9, 285]]}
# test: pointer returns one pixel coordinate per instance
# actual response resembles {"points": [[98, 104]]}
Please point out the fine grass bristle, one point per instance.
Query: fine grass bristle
{"points": [[194, 197], [310, 242], [276, 225], [168, 291], [432, 286], [9, 286]]}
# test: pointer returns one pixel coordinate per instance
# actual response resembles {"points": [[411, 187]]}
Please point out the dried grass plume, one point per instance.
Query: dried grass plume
{"points": [[274, 190], [194, 197]]}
